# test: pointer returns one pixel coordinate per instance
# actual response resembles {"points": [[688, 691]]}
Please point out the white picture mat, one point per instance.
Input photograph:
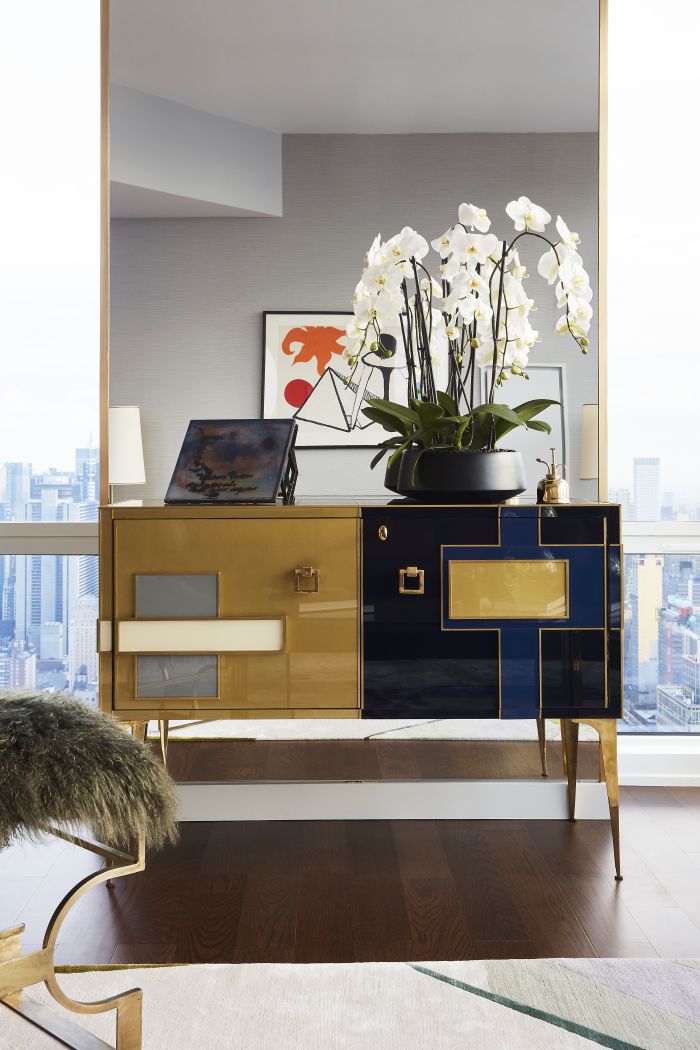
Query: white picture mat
{"points": [[546, 381]]}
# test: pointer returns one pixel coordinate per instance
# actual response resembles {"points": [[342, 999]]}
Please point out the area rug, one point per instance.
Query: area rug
{"points": [[552, 1004], [366, 729]]}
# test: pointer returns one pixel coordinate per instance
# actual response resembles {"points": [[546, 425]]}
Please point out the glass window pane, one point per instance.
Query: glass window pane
{"points": [[48, 617], [662, 643], [654, 228], [49, 253]]}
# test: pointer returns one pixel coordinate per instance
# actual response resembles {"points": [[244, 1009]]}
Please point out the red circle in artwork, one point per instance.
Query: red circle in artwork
{"points": [[296, 392]]}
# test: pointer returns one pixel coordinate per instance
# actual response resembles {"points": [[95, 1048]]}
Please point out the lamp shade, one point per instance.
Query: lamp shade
{"points": [[589, 443], [125, 446]]}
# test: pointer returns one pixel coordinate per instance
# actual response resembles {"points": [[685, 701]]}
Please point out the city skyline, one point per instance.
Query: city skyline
{"points": [[49, 602]]}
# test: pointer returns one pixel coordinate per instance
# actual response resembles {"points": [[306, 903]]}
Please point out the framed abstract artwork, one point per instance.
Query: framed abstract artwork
{"points": [[233, 461], [307, 378]]}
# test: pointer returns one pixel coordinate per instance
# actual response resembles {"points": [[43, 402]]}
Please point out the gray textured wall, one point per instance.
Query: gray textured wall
{"points": [[187, 295]]}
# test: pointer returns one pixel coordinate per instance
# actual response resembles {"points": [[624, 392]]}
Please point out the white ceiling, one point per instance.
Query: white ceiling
{"points": [[367, 65]]}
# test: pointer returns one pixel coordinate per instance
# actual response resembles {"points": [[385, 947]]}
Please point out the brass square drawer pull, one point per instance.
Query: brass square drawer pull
{"points": [[417, 578], [307, 580]]}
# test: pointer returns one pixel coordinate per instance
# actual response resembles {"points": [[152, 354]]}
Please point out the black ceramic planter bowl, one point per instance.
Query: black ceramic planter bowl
{"points": [[451, 476]]}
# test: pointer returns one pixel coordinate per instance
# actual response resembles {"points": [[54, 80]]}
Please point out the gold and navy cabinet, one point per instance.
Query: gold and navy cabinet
{"points": [[486, 612]]}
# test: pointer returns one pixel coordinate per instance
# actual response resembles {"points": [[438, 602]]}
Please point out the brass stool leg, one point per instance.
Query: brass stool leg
{"points": [[163, 727], [569, 735], [20, 971], [543, 745]]}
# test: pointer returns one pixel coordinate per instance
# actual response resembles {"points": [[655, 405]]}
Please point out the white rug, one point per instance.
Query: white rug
{"points": [[565, 1004], [366, 729]]}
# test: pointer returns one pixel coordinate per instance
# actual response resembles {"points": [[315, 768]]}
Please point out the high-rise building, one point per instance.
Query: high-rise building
{"points": [[87, 473], [51, 641], [82, 648], [647, 488], [17, 486], [624, 498], [17, 667]]}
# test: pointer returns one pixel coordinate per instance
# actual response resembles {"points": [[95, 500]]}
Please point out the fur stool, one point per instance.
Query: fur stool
{"points": [[65, 768]]}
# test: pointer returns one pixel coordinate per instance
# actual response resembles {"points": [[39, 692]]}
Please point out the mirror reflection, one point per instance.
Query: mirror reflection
{"points": [[256, 155]]}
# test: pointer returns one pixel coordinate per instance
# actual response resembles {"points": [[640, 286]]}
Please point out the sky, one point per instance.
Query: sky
{"points": [[654, 241], [49, 231], [49, 236]]}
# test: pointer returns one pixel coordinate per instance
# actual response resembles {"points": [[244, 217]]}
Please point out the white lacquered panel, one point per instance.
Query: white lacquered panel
{"points": [[201, 636]]}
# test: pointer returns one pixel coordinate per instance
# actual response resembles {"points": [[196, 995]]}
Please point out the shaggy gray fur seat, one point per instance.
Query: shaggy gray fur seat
{"points": [[63, 763]]}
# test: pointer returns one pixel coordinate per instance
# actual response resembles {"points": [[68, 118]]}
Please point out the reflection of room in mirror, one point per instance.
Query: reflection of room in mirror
{"points": [[291, 212]]}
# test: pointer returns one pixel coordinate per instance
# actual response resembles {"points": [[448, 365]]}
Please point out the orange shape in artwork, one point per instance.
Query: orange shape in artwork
{"points": [[317, 341], [296, 392]]}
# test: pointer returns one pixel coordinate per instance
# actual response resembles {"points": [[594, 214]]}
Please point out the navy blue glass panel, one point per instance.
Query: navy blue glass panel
{"points": [[414, 672], [615, 587], [572, 525], [573, 673]]}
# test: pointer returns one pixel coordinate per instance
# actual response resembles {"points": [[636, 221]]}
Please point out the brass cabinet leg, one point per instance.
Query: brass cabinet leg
{"points": [[606, 728], [563, 744], [163, 727], [543, 745], [569, 736], [140, 731]]}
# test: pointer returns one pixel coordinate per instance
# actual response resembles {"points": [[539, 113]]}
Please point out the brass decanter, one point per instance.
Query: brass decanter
{"points": [[553, 488]]}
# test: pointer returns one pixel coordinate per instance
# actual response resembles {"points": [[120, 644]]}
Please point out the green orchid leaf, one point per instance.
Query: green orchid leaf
{"points": [[388, 420], [503, 412], [525, 412], [407, 414], [429, 412], [379, 456], [448, 403], [539, 424]]}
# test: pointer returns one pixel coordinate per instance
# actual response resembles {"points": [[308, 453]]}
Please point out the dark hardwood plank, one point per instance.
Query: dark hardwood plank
{"points": [[145, 953], [607, 922], [474, 856], [438, 927], [374, 759], [308, 891]]}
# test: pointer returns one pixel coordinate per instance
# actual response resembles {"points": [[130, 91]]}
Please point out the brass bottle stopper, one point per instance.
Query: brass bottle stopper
{"points": [[553, 488]]}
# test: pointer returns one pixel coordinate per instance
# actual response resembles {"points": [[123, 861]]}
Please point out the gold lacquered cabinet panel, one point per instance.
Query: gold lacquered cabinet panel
{"points": [[255, 560]]}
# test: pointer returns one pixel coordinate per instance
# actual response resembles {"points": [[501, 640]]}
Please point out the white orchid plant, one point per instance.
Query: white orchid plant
{"points": [[477, 315]]}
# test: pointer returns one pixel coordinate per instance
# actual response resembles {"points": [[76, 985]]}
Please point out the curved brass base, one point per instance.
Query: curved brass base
{"points": [[20, 971]]}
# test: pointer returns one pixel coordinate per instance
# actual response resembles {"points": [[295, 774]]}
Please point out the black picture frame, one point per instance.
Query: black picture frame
{"points": [[217, 454]]}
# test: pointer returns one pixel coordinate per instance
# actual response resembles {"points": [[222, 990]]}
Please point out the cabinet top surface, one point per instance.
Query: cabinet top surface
{"points": [[337, 506]]}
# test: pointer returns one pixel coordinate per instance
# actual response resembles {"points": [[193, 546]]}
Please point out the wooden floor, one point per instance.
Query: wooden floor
{"points": [[338, 891], [215, 760]]}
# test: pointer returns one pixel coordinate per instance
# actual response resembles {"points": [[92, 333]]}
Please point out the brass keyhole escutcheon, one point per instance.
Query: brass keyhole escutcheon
{"points": [[382, 532]]}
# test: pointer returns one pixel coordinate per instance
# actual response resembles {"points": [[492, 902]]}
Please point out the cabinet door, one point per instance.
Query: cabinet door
{"points": [[413, 668], [253, 614]]}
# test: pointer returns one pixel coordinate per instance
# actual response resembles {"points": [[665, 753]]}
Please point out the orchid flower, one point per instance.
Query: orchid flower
{"points": [[528, 216], [567, 237], [475, 218]]}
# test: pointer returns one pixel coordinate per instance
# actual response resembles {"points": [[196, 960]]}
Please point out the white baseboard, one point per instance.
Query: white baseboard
{"points": [[391, 800], [658, 761]]}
